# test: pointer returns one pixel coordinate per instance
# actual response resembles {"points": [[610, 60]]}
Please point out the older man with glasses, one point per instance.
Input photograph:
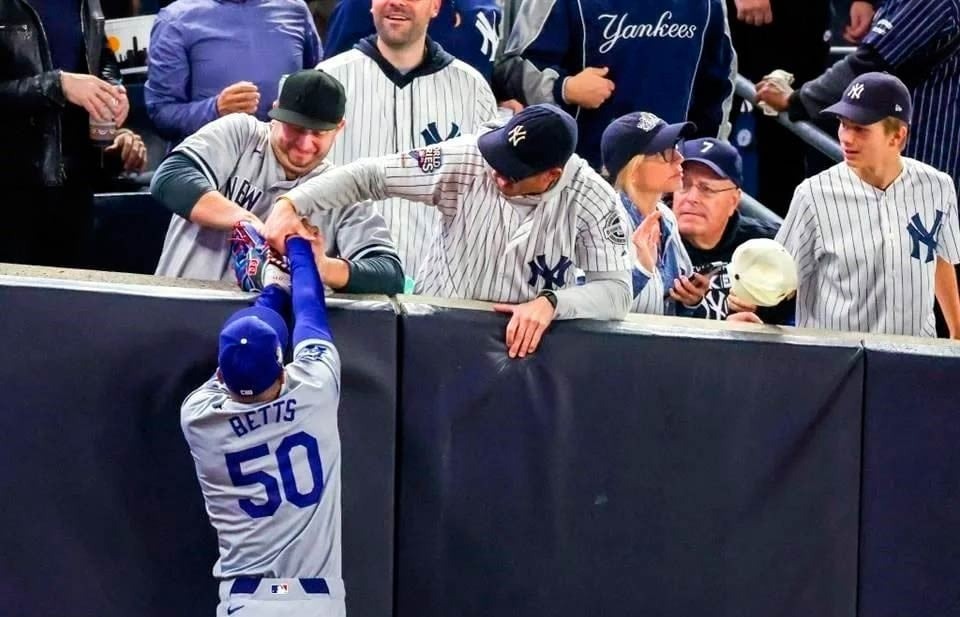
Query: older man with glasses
{"points": [[706, 208]]}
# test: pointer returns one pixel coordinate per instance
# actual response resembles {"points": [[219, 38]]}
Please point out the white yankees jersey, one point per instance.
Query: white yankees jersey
{"points": [[866, 258], [490, 248], [393, 112], [234, 153], [270, 473]]}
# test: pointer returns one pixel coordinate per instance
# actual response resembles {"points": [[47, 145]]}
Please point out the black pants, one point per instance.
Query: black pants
{"points": [[797, 42], [47, 226]]}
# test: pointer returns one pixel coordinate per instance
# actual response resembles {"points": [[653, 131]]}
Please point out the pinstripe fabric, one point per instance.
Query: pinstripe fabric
{"points": [[905, 33], [488, 247], [383, 119], [865, 260]]}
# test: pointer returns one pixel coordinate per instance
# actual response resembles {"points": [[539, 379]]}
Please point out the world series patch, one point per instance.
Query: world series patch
{"points": [[613, 228], [428, 159]]}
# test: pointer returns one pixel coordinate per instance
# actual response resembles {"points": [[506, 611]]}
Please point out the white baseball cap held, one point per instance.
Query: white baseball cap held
{"points": [[762, 272]]}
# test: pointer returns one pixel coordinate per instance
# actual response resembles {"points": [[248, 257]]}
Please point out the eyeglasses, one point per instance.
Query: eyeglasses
{"points": [[705, 189], [670, 156]]}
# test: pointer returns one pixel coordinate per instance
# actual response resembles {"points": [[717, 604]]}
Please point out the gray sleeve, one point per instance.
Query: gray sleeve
{"points": [[532, 68], [362, 180], [179, 184], [605, 295], [358, 231], [218, 146]]}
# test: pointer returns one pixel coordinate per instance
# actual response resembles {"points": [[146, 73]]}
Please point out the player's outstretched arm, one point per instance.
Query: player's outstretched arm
{"points": [[309, 304], [605, 295]]}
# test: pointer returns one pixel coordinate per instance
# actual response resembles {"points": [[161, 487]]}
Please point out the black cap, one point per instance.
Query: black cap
{"points": [[720, 156], [311, 99], [871, 97], [636, 133]]}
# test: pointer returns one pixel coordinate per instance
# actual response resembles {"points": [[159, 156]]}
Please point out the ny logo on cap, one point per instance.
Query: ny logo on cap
{"points": [[897, 107], [516, 135], [855, 91], [647, 121]]}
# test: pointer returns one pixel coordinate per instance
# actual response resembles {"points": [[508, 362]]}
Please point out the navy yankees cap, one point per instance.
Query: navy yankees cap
{"points": [[718, 155], [311, 99], [252, 344], [538, 138], [640, 132], [871, 97]]}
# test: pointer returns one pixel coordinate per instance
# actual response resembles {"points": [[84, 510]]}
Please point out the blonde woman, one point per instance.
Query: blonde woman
{"points": [[641, 159]]}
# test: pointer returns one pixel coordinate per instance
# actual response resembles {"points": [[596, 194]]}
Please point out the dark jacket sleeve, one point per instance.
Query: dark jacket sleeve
{"points": [[539, 55], [818, 94], [349, 22], [378, 273], [712, 96], [42, 91]]}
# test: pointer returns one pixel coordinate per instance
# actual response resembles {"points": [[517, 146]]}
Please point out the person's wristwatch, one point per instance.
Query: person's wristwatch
{"points": [[550, 296]]}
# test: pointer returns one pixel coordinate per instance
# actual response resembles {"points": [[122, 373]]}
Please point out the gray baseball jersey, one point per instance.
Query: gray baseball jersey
{"points": [[388, 116], [490, 248], [234, 153], [866, 257], [270, 477]]}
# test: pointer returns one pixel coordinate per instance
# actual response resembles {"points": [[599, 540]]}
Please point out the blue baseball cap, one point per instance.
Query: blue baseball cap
{"points": [[718, 155], [252, 344], [640, 132], [871, 97], [539, 138]]}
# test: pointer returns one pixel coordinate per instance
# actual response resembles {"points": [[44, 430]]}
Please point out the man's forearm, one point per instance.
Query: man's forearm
{"points": [[215, 211], [606, 295], [340, 187]]}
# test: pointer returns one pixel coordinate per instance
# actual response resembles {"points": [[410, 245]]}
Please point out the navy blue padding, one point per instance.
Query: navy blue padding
{"points": [[910, 536], [102, 511], [245, 584], [621, 472], [314, 585]]}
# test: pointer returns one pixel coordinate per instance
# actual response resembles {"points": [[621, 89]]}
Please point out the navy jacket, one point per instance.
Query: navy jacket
{"points": [[670, 57]]}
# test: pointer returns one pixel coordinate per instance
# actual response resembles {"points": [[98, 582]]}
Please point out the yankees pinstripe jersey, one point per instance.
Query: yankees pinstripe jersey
{"points": [[393, 112], [235, 155], [270, 472], [920, 41], [866, 258], [489, 247]]}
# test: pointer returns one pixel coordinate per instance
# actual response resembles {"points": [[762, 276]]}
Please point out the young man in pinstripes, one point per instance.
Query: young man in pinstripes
{"points": [[409, 93], [874, 237]]}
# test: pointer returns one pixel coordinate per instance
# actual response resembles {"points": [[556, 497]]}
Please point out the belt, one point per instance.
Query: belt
{"points": [[249, 584]]}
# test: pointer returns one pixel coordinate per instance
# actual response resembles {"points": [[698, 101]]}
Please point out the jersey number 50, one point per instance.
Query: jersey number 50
{"points": [[284, 464]]}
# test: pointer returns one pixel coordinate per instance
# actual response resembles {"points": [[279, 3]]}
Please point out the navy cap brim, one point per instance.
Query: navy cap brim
{"points": [[668, 136], [499, 155], [713, 167], [292, 117], [854, 113], [270, 316]]}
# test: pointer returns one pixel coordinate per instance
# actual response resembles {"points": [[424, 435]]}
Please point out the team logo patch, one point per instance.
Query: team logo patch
{"points": [[431, 135], [516, 135], [648, 121], [428, 159], [280, 590], [921, 236], [613, 229], [883, 26], [312, 352], [553, 276], [855, 91]]}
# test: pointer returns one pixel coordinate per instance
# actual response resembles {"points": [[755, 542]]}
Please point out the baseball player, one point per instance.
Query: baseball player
{"points": [[234, 168], [874, 236], [519, 214], [409, 94], [266, 447], [641, 157]]}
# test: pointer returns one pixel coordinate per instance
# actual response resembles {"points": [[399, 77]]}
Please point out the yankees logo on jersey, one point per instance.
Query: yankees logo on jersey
{"points": [[866, 257], [394, 112]]}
